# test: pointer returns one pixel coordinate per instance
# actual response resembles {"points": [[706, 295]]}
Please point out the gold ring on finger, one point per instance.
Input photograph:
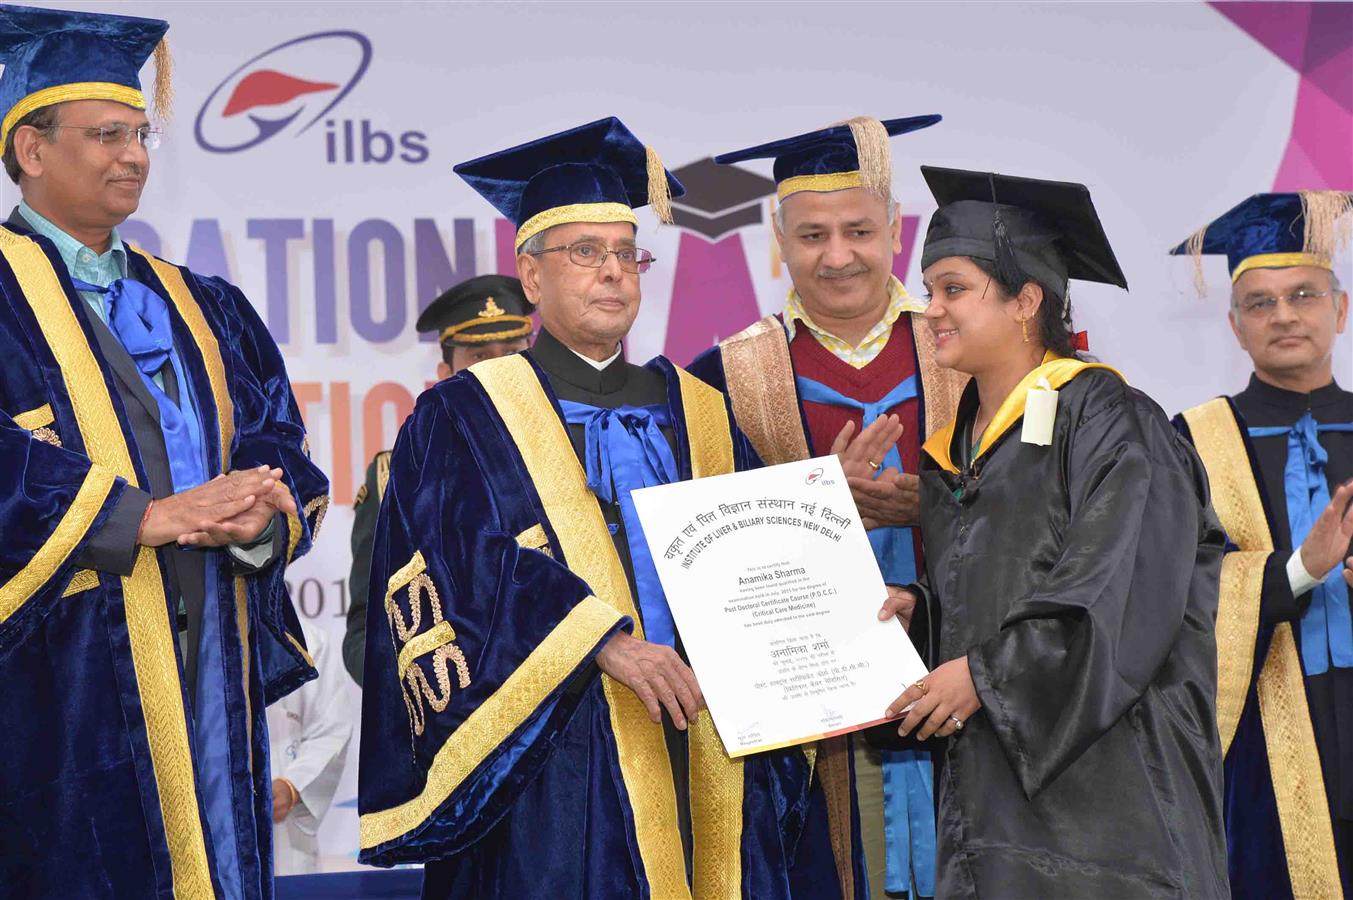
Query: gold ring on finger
{"points": [[922, 687], [873, 465]]}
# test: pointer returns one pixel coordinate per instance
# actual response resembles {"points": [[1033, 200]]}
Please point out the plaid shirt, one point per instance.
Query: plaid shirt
{"points": [[863, 353]]}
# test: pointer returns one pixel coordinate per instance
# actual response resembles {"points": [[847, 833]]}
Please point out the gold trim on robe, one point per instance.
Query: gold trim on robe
{"points": [[177, 289], [540, 438], [35, 418], [54, 552], [80, 582], [534, 538], [1293, 759], [151, 635], [497, 717], [716, 781], [759, 376]]}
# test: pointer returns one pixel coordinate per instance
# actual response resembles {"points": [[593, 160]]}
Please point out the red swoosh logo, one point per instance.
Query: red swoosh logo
{"points": [[267, 87]]}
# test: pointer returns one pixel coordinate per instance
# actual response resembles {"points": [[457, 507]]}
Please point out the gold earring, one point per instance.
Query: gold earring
{"points": [[1024, 327]]}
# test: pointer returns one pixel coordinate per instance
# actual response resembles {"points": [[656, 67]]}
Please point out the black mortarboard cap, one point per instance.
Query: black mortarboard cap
{"points": [[1051, 227]]}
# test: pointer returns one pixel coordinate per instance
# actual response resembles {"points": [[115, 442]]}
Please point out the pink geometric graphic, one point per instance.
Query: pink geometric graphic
{"points": [[1315, 39], [910, 225], [712, 296]]}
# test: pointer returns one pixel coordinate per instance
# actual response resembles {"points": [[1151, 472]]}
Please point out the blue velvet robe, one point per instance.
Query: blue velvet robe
{"points": [[491, 742], [101, 791], [1281, 809]]}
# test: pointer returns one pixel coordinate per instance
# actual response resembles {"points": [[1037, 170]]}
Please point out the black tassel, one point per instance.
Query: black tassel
{"points": [[1008, 270]]}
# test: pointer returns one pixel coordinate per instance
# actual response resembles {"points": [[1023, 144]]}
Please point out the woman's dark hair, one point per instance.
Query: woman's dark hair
{"points": [[43, 119], [1054, 314]]}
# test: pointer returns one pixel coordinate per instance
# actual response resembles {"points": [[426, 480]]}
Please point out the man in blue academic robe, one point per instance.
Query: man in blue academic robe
{"points": [[530, 725], [156, 481], [1280, 458]]}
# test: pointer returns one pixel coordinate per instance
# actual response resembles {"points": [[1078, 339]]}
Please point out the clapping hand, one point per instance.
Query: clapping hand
{"points": [[233, 508]]}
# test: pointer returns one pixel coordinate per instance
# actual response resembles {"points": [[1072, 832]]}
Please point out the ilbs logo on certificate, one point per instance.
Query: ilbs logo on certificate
{"points": [[775, 592]]}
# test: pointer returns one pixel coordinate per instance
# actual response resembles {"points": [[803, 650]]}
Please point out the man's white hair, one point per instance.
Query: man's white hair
{"points": [[893, 211], [534, 244]]}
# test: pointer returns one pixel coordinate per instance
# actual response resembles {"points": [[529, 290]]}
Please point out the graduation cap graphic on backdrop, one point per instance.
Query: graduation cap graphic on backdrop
{"points": [[719, 199]]}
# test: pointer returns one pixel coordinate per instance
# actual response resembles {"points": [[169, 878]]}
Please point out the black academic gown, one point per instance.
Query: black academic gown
{"points": [[1080, 581], [1330, 694]]}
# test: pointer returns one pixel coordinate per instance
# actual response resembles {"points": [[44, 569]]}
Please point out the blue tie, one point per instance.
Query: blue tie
{"points": [[139, 318], [624, 449], [1326, 627], [892, 546]]}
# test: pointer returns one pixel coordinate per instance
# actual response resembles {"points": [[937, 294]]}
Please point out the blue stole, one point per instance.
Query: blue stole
{"points": [[624, 449], [892, 546], [1326, 627], [139, 318], [908, 778]]}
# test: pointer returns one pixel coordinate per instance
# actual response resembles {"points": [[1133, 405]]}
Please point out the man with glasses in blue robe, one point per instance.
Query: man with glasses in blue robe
{"points": [[530, 725], [1279, 456]]}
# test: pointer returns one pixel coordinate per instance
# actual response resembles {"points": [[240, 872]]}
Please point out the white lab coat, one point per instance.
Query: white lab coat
{"points": [[308, 734]]}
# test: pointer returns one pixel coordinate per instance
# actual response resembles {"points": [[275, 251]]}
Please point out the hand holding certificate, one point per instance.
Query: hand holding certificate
{"points": [[775, 592]]}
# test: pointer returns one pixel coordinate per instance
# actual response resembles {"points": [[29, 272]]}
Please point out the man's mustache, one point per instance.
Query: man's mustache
{"points": [[846, 272]]}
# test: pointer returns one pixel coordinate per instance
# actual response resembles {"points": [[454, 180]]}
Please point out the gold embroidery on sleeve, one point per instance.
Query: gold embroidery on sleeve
{"points": [[415, 685], [317, 508], [35, 418], [81, 581], [534, 538], [47, 436]]}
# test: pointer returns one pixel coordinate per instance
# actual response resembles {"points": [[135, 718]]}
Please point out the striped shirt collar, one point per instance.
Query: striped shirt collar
{"points": [[863, 353]]}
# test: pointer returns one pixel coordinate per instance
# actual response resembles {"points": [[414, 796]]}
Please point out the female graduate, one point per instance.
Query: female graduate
{"points": [[1072, 560]]}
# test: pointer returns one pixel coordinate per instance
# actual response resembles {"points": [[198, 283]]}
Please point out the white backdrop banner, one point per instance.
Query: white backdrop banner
{"points": [[309, 161]]}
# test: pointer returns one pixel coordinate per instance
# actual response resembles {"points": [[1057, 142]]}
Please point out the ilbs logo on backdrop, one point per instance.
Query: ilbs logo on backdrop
{"points": [[291, 87]]}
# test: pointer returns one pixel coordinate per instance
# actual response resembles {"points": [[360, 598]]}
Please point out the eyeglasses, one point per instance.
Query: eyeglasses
{"points": [[120, 135], [1261, 306], [592, 255]]}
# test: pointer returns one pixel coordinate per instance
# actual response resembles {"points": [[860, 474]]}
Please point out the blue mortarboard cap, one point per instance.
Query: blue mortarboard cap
{"points": [[598, 172], [852, 154], [54, 56], [1272, 231]]}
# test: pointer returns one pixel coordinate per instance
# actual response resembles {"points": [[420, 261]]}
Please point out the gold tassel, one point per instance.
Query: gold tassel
{"points": [[659, 194], [164, 87], [875, 153], [1194, 248], [1328, 224]]}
